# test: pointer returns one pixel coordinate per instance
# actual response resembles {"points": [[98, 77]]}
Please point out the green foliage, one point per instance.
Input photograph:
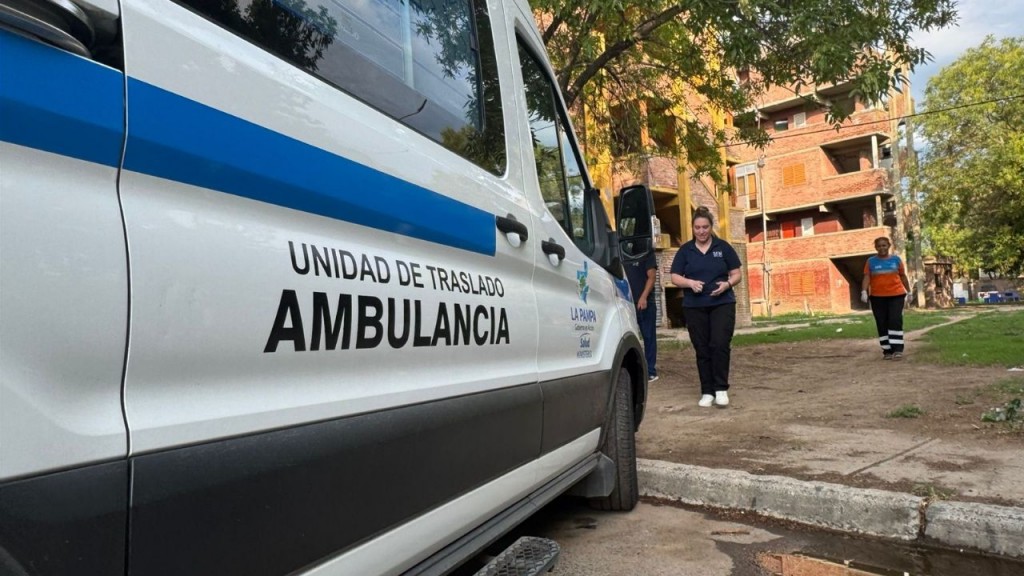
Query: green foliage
{"points": [[905, 411], [623, 50], [972, 176], [991, 339], [1009, 412], [932, 492]]}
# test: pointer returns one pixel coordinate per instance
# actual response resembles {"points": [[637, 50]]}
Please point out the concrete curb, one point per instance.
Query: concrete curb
{"points": [[854, 510], [996, 529], [993, 529]]}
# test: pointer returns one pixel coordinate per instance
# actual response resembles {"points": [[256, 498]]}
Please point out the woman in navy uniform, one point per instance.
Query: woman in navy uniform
{"points": [[641, 274], [707, 268]]}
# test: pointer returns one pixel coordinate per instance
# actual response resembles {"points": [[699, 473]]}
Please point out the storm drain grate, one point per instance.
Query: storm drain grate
{"points": [[528, 556]]}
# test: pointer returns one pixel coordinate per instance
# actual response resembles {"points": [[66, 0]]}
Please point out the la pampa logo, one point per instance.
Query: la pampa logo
{"points": [[581, 279]]}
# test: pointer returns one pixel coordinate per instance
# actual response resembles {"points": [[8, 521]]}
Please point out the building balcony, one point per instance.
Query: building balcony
{"points": [[657, 172], [857, 242], [853, 184]]}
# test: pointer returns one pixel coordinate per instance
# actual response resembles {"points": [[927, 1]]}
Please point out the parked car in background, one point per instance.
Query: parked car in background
{"points": [[989, 293]]}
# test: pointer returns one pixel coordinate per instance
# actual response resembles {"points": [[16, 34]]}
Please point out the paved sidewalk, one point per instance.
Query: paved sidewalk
{"points": [[830, 449]]}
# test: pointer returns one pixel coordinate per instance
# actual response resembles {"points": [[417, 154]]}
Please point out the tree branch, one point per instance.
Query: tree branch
{"points": [[641, 32]]}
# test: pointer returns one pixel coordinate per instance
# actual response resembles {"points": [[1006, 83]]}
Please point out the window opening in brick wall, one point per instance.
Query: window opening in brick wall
{"points": [[789, 229], [746, 187], [794, 175], [850, 161], [801, 283], [807, 226], [800, 119], [782, 125]]}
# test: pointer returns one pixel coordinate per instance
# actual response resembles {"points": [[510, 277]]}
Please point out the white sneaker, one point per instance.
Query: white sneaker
{"points": [[721, 398], [706, 400]]}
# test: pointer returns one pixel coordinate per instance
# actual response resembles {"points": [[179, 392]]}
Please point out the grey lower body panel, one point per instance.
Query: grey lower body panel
{"points": [[71, 522], [277, 502], [462, 549]]}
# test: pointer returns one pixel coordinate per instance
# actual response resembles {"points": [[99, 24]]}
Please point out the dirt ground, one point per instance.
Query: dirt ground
{"points": [[784, 397]]}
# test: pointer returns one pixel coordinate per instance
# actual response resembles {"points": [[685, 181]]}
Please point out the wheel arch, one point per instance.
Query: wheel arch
{"points": [[630, 355]]}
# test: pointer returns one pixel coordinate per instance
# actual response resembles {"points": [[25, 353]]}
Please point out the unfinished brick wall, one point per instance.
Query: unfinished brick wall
{"points": [[808, 287], [841, 244]]}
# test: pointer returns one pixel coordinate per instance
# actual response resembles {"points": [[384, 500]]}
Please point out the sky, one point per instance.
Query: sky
{"points": [[976, 19]]}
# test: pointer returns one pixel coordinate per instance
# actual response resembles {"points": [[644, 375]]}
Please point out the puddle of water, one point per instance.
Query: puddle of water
{"points": [[800, 565], [845, 556]]}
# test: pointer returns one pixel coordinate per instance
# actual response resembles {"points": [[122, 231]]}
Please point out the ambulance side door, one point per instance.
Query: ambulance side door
{"points": [[576, 299], [63, 290], [333, 322]]}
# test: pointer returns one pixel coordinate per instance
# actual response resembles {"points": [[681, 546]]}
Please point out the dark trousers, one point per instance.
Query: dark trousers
{"points": [[647, 318], [711, 331], [888, 311]]}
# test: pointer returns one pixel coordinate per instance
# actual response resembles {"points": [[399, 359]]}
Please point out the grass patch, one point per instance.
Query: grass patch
{"points": [[1008, 412], [906, 411], [795, 318], [932, 492], [672, 345], [840, 327], [1013, 386], [965, 399], [990, 339]]}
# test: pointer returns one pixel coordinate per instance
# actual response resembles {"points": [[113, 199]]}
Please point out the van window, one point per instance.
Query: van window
{"points": [[559, 168], [429, 64]]}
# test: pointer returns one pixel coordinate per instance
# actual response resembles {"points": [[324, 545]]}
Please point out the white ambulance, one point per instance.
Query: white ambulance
{"points": [[298, 287]]}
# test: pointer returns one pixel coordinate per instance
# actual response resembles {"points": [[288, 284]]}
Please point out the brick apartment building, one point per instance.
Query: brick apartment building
{"points": [[677, 193], [814, 201]]}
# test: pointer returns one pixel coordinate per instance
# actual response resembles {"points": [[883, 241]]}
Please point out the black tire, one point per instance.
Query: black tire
{"points": [[620, 446]]}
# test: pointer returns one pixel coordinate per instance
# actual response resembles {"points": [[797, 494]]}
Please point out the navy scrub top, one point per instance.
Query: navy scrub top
{"points": [[636, 273], [710, 267]]}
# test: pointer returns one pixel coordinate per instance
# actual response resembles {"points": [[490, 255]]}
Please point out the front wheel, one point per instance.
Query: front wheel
{"points": [[620, 446]]}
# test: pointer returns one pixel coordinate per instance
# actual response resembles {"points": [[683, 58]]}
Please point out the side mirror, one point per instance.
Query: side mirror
{"points": [[633, 218]]}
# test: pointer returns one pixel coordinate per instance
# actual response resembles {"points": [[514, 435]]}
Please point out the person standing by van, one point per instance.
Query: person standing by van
{"points": [[641, 275], [885, 286], [707, 268]]}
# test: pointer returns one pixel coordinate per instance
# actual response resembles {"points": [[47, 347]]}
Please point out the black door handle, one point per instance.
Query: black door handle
{"points": [[509, 225], [61, 24], [550, 247]]}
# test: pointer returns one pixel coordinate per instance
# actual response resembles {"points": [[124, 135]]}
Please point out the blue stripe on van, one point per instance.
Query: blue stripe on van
{"points": [[59, 102], [172, 137]]}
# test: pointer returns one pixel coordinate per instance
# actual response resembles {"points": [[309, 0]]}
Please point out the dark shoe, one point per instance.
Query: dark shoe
{"points": [[886, 356]]}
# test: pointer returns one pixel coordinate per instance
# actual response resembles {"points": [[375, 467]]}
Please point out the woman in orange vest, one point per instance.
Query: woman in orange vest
{"points": [[886, 285]]}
